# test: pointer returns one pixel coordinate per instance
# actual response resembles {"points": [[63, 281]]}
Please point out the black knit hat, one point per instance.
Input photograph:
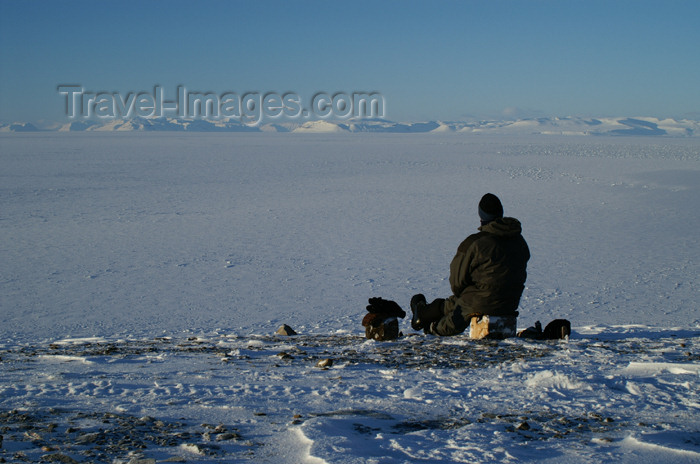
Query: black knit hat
{"points": [[490, 208]]}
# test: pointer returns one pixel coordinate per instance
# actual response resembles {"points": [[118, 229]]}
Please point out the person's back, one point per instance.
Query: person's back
{"points": [[488, 273]]}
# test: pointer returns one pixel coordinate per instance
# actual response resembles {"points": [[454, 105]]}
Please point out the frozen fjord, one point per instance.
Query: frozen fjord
{"points": [[136, 236]]}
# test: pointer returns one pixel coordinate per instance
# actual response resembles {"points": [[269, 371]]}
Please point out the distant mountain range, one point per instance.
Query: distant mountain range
{"points": [[641, 126]]}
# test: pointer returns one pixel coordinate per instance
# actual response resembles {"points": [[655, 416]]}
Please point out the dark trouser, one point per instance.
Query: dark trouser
{"points": [[432, 312], [435, 320]]}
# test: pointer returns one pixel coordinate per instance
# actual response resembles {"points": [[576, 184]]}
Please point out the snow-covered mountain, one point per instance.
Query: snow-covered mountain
{"points": [[626, 126]]}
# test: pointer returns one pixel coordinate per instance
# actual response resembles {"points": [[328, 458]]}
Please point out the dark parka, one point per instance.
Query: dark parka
{"points": [[487, 275]]}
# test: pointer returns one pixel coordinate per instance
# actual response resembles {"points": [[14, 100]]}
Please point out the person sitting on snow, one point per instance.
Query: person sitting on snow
{"points": [[487, 277]]}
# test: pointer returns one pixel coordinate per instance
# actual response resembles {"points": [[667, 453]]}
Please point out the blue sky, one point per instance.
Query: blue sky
{"points": [[430, 60]]}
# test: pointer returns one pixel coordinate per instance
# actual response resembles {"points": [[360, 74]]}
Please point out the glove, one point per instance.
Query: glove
{"points": [[386, 308]]}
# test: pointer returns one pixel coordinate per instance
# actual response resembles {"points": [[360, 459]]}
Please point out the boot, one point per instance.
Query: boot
{"points": [[557, 329], [418, 304]]}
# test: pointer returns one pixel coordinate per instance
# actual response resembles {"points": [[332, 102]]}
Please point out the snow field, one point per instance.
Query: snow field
{"points": [[140, 234], [515, 400], [142, 275]]}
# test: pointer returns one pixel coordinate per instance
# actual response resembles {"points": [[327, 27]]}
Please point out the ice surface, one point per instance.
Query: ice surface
{"points": [[147, 234], [163, 262]]}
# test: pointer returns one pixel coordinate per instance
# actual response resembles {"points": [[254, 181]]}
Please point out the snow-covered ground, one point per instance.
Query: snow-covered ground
{"points": [[142, 276]]}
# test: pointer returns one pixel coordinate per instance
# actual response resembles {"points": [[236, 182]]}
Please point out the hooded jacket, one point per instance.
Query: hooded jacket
{"points": [[488, 272]]}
